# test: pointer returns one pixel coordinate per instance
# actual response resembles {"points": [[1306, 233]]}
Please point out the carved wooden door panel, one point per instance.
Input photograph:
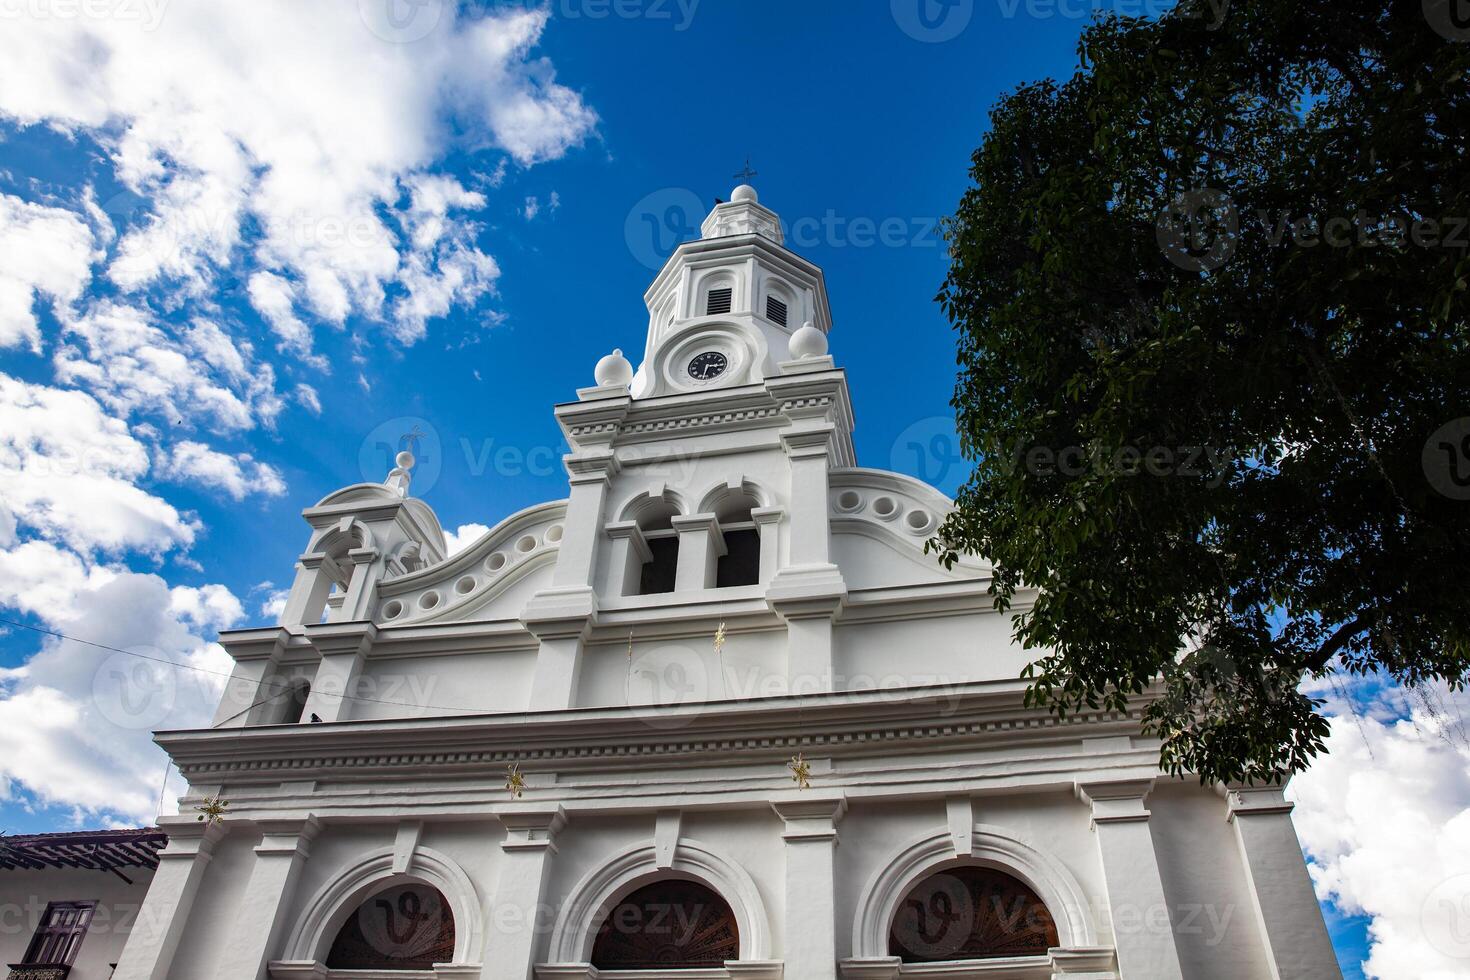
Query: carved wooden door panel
{"points": [[970, 912], [668, 925], [407, 927]]}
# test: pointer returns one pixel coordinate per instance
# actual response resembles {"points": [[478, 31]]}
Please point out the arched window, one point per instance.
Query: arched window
{"points": [[715, 294], [780, 304], [655, 520], [741, 562], [294, 711], [669, 925], [405, 927], [970, 912]]}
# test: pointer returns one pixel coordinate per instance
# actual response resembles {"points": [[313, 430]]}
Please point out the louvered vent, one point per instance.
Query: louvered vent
{"points": [[775, 310], [719, 301]]}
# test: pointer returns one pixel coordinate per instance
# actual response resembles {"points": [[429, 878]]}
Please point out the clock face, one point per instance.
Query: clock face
{"points": [[708, 366]]}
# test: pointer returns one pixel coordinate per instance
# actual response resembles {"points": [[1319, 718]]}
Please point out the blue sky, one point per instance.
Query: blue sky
{"points": [[242, 254]]}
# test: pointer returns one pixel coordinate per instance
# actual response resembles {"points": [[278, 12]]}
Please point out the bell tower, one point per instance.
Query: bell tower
{"points": [[727, 307]]}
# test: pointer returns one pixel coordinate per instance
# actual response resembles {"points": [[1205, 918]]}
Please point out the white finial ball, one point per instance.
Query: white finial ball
{"points": [[404, 460], [744, 194], [808, 342], [613, 371]]}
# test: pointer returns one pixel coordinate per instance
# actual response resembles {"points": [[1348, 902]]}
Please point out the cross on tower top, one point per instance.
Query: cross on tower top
{"points": [[747, 173]]}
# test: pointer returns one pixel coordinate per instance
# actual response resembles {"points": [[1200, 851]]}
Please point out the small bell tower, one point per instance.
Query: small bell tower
{"points": [[726, 308]]}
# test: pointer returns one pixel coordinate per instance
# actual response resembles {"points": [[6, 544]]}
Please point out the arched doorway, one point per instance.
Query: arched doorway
{"points": [[970, 912], [403, 927], [673, 924]]}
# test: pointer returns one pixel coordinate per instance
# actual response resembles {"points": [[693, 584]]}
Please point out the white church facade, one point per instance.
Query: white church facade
{"points": [[714, 714]]}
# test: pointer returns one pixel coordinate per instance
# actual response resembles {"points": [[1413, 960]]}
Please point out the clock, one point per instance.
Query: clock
{"points": [[708, 366]]}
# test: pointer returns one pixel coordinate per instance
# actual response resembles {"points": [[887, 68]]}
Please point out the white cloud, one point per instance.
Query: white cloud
{"points": [[274, 603], [274, 298], [307, 397], [462, 537], [42, 579], [275, 150], [300, 121], [1385, 818], [529, 113], [76, 721], [134, 364], [69, 471], [210, 607], [44, 251], [532, 208], [444, 268], [239, 475]]}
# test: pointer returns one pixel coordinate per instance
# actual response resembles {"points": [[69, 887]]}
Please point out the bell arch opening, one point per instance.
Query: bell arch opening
{"points": [[654, 516], [970, 912], [669, 924], [404, 927], [733, 506]]}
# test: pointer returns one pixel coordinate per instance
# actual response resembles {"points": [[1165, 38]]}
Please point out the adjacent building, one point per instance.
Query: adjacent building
{"points": [[69, 901]]}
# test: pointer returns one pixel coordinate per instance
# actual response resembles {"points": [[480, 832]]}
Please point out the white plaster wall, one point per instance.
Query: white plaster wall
{"points": [[693, 466], [473, 681], [23, 898], [946, 650], [683, 670], [874, 833], [335, 849], [583, 846], [472, 844], [215, 907], [1193, 843], [751, 839], [1204, 883], [870, 563], [510, 594]]}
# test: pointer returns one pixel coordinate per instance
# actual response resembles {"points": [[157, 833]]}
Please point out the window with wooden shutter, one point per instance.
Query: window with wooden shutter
{"points": [[60, 934]]}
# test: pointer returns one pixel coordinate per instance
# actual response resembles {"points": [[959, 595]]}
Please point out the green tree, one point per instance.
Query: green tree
{"points": [[1211, 303]]}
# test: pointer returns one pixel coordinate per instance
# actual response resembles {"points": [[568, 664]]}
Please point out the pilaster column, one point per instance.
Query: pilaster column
{"points": [[1142, 931], [343, 648], [809, 592], [255, 932], [561, 620], [256, 654], [808, 609], [357, 597], [150, 949], [810, 937], [701, 545], [1287, 915], [808, 451], [768, 525], [561, 616], [516, 927], [628, 556], [590, 473], [309, 590]]}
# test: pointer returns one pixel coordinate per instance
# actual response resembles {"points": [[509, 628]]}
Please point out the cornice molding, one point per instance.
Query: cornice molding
{"points": [[847, 724]]}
